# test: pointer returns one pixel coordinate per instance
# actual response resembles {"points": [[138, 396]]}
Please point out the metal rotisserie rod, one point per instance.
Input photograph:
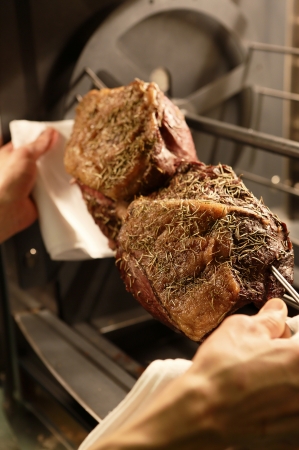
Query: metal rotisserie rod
{"points": [[245, 136], [265, 182]]}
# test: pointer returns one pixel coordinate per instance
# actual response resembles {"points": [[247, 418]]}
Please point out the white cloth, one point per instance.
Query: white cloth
{"points": [[157, 375], [68, 230]]}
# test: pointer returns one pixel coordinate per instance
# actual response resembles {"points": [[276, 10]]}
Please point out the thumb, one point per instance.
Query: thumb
{"points": [[273, 316], [43, 143]]}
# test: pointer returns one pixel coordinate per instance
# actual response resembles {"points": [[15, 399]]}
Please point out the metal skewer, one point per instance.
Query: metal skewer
{"points": [[287, 286], [289, 301]]}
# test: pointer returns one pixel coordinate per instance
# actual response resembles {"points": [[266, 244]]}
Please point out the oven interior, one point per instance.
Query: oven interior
{"points": [[70, 329]]}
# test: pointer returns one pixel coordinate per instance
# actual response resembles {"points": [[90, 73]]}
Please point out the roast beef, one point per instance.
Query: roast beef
{"points": [[200, 248], [125, 142], [193, 243]]}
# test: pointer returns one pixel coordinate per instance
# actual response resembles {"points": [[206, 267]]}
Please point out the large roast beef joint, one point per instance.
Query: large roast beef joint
{"points": [[197, 248]]}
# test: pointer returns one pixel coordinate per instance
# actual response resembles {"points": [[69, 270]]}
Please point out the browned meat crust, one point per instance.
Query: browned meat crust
{"points": [[201, 248], [125, 142], [197, 245]]}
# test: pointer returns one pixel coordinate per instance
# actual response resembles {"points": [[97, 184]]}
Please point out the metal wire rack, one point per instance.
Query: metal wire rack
{"points": [[237, 80]]}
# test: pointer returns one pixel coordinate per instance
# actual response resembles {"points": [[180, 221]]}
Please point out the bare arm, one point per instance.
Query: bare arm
{"points": [[241, 392], [17, 178]]}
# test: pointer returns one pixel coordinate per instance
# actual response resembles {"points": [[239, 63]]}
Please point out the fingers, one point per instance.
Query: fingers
{"points": [[43, 143], [287, 332], [5, 151], [273, 316], [7, 147]]}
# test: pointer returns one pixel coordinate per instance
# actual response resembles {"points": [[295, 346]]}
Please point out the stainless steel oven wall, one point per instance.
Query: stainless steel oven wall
{"points": [[294, 109], [268, 21], [40, 41]]}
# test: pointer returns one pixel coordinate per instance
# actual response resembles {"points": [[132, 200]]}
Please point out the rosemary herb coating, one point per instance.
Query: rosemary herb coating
{"points": [[193, 243], [201, 248], [125, 142]]}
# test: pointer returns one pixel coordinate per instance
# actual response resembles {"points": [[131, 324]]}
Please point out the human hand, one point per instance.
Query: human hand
{"points": [[242, 392], [255, 379], [17, 178]]}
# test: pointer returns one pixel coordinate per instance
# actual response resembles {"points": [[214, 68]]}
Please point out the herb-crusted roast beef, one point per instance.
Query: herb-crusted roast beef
{"points": [[199, 249], [126, 141], [193, 243]]}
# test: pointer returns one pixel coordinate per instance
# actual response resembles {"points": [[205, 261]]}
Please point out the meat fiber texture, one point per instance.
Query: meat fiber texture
{"points": [[201, 248], [126, 141]]}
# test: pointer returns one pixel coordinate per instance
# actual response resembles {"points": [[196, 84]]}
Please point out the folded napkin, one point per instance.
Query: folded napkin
{"points": [[68, 230], [157, 375]]}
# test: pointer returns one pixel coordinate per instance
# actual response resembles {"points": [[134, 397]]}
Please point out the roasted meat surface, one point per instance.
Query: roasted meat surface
{"points": [[193, 243], [126, 141], [200, 248]]}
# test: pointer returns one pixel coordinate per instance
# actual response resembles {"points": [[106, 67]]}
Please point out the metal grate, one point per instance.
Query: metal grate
{"points": [[238, 134]]}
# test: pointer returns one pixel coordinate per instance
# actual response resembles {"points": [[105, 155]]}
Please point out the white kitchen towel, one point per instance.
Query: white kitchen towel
{"points": [[157, 375], [68, 230]]}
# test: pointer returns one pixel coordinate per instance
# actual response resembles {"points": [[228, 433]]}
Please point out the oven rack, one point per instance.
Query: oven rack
{"points": [[240, 135]]}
